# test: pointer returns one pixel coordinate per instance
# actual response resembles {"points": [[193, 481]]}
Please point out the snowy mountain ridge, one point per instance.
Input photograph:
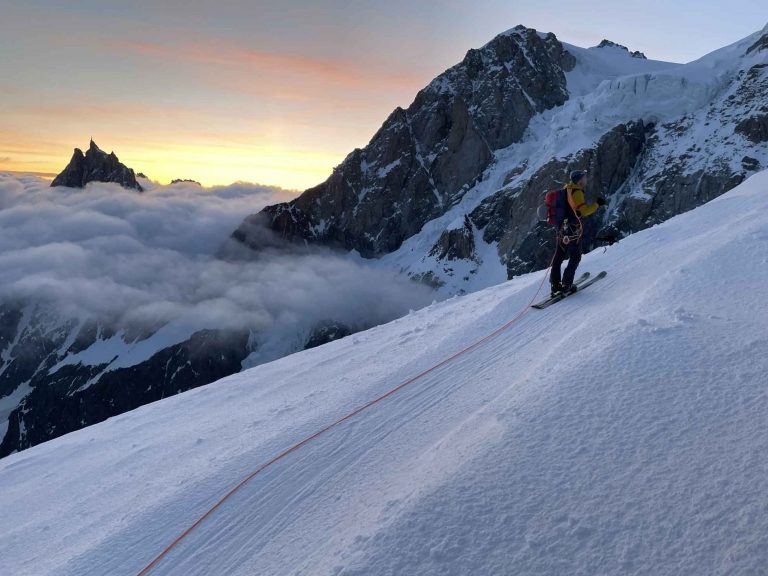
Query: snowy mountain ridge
{"points": [[659, 138], [620, 431], [654, 92]]}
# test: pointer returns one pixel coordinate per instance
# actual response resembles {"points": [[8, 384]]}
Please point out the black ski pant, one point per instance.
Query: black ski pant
{"points": [[571, 252]]}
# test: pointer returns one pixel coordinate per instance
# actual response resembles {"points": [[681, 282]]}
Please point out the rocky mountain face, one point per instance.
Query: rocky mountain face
{"points": [[448, 188], [95, 165], [44, 393], [42, 396], [426, 157]]}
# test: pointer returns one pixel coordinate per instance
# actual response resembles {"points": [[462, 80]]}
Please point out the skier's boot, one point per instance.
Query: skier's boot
{"points": [[569, 289], [556, 289]]}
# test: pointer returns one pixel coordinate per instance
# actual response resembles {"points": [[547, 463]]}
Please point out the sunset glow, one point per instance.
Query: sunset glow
{"points": [[221, 92]]}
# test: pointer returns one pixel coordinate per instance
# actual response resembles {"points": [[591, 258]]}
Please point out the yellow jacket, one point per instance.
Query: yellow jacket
{"points": [[576, 200]]}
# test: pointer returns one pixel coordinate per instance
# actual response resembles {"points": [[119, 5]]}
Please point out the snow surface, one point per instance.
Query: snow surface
{"points": [[622, 431], [596, 65]]}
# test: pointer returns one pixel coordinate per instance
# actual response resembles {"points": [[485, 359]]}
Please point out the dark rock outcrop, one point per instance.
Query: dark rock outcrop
{"points": [[673, 192], [95, 166], [327, 332], [181, 180], [754, 128], [760, 44], [608, 43], [75, 396], [456, 244], [424, 158], [750, 164]]}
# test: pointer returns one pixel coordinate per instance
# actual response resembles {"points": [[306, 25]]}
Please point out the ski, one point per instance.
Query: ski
{"points": [[552, 299], [582, 283]]}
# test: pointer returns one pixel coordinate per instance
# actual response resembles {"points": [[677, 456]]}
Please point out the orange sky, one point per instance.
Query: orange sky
{"points": [[265, 91], [278, 119], [197, 105]]}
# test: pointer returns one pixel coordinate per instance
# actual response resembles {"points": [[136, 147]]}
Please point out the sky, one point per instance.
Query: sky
{"points": [[275, 92]]}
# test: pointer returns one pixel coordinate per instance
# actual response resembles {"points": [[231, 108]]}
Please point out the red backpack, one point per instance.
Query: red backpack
{"points": [[554, 208]]}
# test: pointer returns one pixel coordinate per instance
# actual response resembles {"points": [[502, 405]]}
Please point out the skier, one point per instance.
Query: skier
{"points": [[569, 236]]}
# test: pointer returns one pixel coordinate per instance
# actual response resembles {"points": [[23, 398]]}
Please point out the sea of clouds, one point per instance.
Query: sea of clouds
{"points": [[130, 259]]}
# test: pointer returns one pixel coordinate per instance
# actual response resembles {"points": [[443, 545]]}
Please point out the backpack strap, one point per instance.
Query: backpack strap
{"points": [[571, 201]]}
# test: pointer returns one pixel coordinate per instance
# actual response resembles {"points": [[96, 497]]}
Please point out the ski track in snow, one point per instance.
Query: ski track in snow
{"points": [[622, 431]]}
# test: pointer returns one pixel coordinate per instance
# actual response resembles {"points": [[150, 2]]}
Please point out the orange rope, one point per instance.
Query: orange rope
{"points": [[358, 410]]}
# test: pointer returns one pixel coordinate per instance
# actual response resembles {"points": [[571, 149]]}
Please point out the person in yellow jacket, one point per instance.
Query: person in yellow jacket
{"points": [[569, 235]]}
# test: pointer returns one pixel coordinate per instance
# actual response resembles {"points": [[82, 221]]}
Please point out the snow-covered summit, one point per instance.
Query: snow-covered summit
{"points": [[657, 138], [482, 142], [601, 63], [622, 431], [608, 44]]}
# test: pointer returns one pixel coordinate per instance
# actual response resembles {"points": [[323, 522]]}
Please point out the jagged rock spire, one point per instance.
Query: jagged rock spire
{"points": [[95, 166]]}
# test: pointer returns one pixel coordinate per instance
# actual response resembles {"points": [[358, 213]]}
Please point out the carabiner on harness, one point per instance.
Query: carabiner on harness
{"points": [[566, 234]]}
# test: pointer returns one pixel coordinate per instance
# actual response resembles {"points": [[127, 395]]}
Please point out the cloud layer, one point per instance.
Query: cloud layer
{"points": [[144, 260]]}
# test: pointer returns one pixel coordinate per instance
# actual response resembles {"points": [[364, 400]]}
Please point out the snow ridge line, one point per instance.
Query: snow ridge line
{"points": [[344, 418]]}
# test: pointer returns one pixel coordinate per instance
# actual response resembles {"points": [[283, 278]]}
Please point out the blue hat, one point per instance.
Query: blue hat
{"points": [[577, 175]]}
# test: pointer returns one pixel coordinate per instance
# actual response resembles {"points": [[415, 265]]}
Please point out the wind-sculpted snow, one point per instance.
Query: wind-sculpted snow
{"points": [[621, 431]]}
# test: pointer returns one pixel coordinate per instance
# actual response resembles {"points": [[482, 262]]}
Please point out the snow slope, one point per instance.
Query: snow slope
{"points": [[622, 431]]}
